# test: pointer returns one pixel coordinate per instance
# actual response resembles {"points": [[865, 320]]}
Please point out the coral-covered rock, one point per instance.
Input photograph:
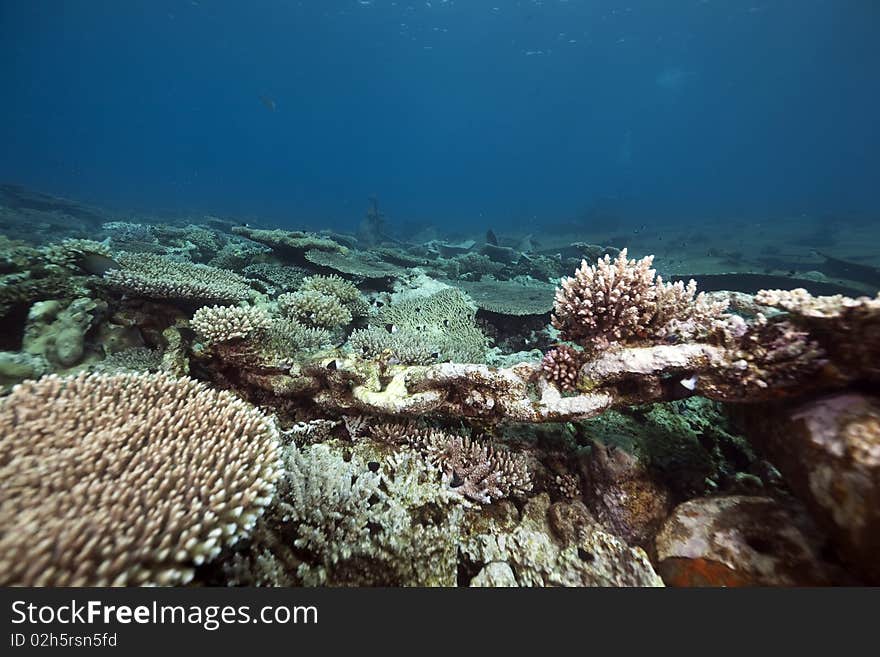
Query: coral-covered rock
{"points": [[828, 451], [741, 541]]}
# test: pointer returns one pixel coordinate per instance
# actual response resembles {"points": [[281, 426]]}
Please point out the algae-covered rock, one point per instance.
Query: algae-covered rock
{"points": [[17, 366], [57, 331], [828, 451], [556, 545], [742, 541], [623, 496], [686, 445]]}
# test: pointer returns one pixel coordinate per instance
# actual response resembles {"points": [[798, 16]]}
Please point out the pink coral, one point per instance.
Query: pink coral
{"points": [[625, 301], [561, 365]]}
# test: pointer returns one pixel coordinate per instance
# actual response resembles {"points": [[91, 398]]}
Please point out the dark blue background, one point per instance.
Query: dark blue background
{"points": [[674, 108]]}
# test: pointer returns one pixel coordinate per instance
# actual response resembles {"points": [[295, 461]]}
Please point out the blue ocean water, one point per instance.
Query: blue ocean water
{"points": [[514, 113]]}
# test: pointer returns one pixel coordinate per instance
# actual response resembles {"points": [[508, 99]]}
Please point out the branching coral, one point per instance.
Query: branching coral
{"points": [[287, 336], [153, 276], [355, 522], [623, 301], [336, 286], [216, 324], [332, 285], [477, 470], [314, 308], [127, 479], [473, 468], [133, 237]]}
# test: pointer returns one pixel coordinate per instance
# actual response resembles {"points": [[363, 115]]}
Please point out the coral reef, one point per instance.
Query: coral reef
{"points": [[127, 479], [363, 520], [431, 423], [477, 470], [382, 520], [287, 336]]}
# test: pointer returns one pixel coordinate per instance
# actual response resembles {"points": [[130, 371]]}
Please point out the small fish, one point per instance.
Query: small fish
{"points": [[690, 383], [391, 328], [268, 102], [97, 264]]}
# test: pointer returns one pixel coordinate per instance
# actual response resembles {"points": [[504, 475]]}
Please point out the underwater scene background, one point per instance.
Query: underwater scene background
{"points": [[444, 293]]}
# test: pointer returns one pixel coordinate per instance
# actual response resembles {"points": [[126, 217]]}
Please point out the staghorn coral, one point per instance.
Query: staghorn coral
{"points": [[127, 479], [217, 324], [332, 285], [335, 286], [562, 366], [413, 434], [156, 277], [314, 308], [623, 301], [357, 521], [477, 470]]}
